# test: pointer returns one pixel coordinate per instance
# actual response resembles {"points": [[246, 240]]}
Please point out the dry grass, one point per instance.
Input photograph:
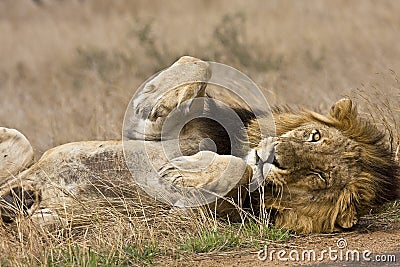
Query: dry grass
{"points": [[69, 68], [126, 232]]}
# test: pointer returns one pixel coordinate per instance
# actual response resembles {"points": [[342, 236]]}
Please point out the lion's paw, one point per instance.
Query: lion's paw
{"points": [[191, 171], [171, 174]]}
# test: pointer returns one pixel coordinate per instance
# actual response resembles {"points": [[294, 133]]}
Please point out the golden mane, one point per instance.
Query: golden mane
{"points": [[379, 181]]}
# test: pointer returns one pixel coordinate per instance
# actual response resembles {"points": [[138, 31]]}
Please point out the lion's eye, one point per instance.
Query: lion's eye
{"points": [[314, 136]]}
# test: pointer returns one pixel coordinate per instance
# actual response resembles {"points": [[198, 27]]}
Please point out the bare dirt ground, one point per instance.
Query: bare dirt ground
{"points": [[378, 234], [69, 68], [380, 239]]}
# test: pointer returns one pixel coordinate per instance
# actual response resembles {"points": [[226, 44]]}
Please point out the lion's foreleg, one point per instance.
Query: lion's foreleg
{"points": [[223, 179]]}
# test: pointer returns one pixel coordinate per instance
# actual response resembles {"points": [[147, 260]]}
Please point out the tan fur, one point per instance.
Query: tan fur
{"points": [[320, 186], [16, 153], [358, 170]]}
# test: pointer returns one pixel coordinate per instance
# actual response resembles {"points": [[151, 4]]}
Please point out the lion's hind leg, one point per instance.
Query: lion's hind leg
{"points": [[16, 154], [173, 89]]}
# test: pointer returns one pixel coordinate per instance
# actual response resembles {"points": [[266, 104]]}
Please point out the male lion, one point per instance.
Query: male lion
{"points": [[319, 173]]}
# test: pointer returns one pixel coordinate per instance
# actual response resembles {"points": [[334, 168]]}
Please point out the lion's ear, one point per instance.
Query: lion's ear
{"points": [[343, 110], [346, 211]]}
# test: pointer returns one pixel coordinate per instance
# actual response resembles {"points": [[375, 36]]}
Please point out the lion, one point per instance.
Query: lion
{"points": [[319, 173]]}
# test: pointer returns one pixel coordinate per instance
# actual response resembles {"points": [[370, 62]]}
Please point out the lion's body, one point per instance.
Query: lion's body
{"points": [[326, 170]]}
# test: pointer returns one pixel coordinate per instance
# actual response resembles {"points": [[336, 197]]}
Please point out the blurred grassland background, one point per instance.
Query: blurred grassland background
{"points": [[69, 68]]}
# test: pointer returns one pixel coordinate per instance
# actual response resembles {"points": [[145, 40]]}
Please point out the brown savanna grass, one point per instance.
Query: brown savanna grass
{"points": [[69, 68]]}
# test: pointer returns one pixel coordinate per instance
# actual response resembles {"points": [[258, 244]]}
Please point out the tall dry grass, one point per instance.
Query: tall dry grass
{"points": [[69, 68]]}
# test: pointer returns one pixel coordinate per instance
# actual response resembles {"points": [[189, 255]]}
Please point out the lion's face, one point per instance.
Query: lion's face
{"points": [[328, 170], [313, 158]]}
